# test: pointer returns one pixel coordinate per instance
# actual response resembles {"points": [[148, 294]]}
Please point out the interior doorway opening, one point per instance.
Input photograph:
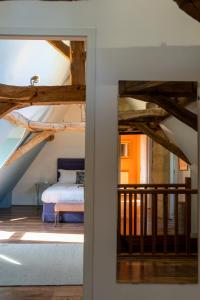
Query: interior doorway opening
{"points": [[157, 190], [42, 199]]}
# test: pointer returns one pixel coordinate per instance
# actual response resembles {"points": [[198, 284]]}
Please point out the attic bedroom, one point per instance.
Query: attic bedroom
{"points": [[42, 92]]}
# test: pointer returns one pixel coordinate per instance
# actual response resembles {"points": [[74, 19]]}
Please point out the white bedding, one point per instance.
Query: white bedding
{"points": [[63, 193]]}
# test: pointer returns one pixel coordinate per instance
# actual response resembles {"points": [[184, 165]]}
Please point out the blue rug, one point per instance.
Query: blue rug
{"points": [[41, 264]]}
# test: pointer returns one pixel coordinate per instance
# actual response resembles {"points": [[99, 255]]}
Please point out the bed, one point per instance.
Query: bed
{"points": [[64, 201]]}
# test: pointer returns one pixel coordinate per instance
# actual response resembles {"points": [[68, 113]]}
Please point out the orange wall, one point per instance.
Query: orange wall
{"points": [[131, 164]]}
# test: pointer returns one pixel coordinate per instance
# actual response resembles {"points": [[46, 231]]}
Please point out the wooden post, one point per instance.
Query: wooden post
{"points": [[78, 58], [119, 224], [188, 215], [130, 223]]}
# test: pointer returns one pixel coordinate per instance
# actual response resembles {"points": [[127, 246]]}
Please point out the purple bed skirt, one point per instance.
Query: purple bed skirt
{"points": [[48, 215]]}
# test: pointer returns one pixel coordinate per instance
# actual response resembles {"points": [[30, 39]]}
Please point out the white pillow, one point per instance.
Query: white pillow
{"points": [[67, 176]]}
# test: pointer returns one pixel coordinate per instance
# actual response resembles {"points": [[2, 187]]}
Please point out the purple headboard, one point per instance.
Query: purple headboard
{"points": [[70, 164]]}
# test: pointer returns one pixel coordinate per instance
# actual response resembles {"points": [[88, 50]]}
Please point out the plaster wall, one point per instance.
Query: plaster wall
{"points": [[44, 166], [135, 40]]}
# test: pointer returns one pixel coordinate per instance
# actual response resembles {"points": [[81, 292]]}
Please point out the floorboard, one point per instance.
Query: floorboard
{"points": [[154, 270], [42, 293], [19, 220]]}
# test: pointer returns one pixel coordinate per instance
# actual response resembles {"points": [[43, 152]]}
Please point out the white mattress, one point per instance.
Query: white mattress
{"points": [[63, 193]]}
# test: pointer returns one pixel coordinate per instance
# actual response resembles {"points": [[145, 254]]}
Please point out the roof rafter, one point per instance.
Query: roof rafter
{"points": [[169, 88], [61, 47], [19, 120], [173, 108], [167, 95], [160, 137], [191, 7], [5, 108], [33, 142], [142, 115]]}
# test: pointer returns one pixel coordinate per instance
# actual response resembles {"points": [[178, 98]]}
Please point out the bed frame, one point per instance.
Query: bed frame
{"points": [[68, 164], [74, 214]]}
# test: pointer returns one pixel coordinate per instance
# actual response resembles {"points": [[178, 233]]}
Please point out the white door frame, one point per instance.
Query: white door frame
{"points": [[89, 35]]}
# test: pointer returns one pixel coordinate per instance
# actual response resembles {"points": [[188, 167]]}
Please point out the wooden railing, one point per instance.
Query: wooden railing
{"points": [[144, 223]]}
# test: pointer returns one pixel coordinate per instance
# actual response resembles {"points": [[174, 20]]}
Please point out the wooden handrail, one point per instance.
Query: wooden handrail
{"points": [[175, 185], [138, 226], [158, 191]]}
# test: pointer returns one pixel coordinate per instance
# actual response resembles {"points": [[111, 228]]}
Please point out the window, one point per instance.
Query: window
{"points": [[124, 149]]}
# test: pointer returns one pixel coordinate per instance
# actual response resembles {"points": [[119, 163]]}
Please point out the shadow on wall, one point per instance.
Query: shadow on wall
{"points": [[10, 175]]}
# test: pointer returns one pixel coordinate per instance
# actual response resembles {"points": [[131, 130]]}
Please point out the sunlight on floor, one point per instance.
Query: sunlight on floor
{"points": [[53, 237], [10, 260], [18, 219], [5, 235]]}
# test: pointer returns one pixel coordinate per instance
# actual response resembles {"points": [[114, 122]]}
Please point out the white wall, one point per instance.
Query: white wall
{"points": [[135, 40], [44, 166]]}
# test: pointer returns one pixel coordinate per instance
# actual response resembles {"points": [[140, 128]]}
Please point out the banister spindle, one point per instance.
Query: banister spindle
{"points": [[130, 223], [176, 224], [165, 221]]}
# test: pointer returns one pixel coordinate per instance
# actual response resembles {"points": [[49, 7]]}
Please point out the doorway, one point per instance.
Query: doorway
{"points": [[89, 133], [157, 218]]}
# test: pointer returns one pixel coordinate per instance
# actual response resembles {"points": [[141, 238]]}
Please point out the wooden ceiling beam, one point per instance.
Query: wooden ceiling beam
{"points": [[61, 47], [19, 120], [191, 7], [142, 115], [5, 108], [160, 138], [133, 89], [42, 95], [137, 86], [173, 108], [181, 113], [78, 57], [33, 142]]}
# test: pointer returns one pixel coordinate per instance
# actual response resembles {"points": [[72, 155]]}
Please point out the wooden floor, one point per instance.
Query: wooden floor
{"points": [[42, 293], [19, 220], [23, 219], [158, 270]]}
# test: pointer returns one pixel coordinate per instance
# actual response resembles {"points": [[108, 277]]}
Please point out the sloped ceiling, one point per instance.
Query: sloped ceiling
{"points": [[160, 113], [19, 61]]}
